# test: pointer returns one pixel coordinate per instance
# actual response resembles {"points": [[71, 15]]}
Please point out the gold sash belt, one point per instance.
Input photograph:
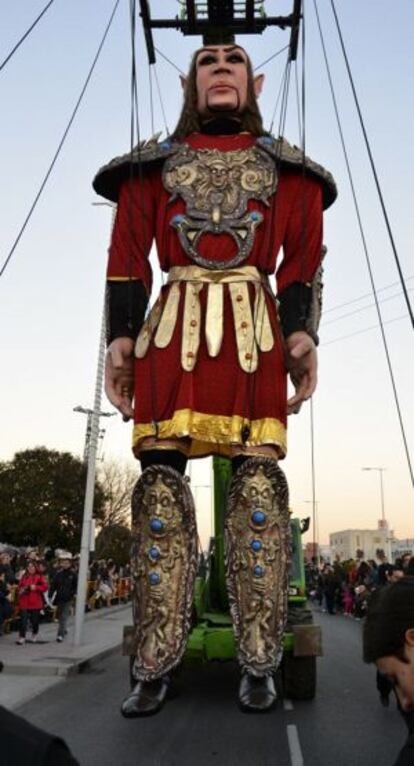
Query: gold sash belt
{"points": [[198, 274], [253, 331]]}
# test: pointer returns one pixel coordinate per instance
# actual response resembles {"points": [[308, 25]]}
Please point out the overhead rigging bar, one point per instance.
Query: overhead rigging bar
{"points": [[221, 19]]}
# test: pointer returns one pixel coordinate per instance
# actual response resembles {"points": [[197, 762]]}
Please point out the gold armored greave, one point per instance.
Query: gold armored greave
{"points": [[164, 561], [257, 558]]}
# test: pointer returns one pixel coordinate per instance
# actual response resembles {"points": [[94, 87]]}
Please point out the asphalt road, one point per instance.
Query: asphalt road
{"points": [[344, 726]]}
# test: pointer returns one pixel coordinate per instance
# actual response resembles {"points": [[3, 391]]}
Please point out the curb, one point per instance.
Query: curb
{"points": [[78, 658], [58, 667]]}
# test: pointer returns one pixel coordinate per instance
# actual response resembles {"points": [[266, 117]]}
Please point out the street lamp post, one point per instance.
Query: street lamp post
{"points": [[381, 470], [90, 452], [101, 433], [91, 445]]}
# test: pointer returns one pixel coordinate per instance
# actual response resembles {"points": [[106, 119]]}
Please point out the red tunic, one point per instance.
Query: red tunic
{"points": [[211, 404]]}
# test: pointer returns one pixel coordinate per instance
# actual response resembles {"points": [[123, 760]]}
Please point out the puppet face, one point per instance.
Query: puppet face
{"points": [[221, 78], [401, 674]]}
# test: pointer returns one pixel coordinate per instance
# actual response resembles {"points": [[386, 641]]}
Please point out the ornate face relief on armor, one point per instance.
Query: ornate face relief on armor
{"points": [[257, 557], [164, 558], [216, 187]]}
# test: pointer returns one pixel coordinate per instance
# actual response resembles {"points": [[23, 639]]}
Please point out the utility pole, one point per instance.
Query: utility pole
{"points": [[94, 416], [90, 450]]}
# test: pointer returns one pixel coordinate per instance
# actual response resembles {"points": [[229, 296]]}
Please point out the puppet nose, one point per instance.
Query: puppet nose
{"points": [[220, 69]]}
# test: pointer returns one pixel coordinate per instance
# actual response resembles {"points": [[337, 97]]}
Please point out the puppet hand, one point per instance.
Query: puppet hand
{"points": [[302, 364], [119, 375]]}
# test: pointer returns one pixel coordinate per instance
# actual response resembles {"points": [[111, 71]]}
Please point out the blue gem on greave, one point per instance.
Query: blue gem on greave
{"points": [[254, 215], [154, 578], [258, 571], [154, 553], [256, 545], [258, 517], [177, 218], [165, 145], [156, 525]]}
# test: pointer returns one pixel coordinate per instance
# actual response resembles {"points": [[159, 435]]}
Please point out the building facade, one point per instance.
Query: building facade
{"points": [[361, 543], [402, 547]]}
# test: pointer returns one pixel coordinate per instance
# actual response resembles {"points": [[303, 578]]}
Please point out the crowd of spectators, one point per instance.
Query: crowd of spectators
{"points": [[345, 587], [350, 587], [38, 586]]}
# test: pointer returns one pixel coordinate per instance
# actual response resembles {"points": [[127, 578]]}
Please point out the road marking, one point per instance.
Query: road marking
{"points": [[288, 705], [296, 757]]}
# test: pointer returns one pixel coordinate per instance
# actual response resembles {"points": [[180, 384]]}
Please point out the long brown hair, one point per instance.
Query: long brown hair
{"points": [[189, 120]]}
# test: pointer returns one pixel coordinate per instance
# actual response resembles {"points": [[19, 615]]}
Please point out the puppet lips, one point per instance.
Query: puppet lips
{"points": [[221, 86]]}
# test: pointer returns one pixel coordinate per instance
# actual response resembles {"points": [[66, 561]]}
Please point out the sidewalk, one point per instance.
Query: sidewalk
{"points": [[32, 668]]}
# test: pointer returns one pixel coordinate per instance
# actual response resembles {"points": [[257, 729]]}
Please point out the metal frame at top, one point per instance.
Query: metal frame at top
{"points": [[221, 20]]}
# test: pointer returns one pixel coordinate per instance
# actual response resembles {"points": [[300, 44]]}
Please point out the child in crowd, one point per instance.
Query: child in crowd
{"points": [[348, 599]]}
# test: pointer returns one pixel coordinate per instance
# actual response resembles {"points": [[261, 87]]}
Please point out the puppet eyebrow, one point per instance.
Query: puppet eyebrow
{"points": [[226, 50]]}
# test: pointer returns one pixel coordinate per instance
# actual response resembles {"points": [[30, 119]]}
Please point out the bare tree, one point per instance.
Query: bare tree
{"points": [[117, 480]]}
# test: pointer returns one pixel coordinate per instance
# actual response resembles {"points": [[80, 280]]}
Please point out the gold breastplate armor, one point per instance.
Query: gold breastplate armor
{"points": [[216, 187]]}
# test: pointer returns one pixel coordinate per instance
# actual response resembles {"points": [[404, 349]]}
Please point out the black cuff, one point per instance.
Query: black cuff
{"points": [[126, 303], [295, 310]]}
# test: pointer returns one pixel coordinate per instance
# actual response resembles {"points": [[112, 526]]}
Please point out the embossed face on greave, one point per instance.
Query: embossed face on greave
{"points": [[160, 502], [257, 555], [164, 559], [259, 493]]}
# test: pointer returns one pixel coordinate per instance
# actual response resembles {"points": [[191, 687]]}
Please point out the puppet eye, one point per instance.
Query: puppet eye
{"points": [[235, 58], [208, 59]]}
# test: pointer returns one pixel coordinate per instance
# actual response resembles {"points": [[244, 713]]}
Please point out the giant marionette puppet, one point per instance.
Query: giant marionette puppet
{"points": [[206, 372]]}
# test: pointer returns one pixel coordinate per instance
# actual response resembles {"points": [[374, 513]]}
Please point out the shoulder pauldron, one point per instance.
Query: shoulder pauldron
{"points": [[110, 177], [288, 156]]}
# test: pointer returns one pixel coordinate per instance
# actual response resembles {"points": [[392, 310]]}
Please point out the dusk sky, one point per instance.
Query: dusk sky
{"points": [[51, 294]]}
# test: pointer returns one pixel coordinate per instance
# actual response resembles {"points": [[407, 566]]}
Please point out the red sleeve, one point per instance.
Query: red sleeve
{"points": [[302, 243], [41, 584], [133, 232]]}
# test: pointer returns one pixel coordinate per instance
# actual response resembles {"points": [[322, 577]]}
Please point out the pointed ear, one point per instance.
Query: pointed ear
{"points": [[409, 636], [258, 84], [183, 81]]}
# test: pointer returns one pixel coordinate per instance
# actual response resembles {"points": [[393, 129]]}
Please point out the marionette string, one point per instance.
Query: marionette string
{"points": [[372, 163], [135, 152], [177, 68], [151, 97], [365, 247], [61, 142], [167, 131], [26, 34], [266, 61], [258, 321]]}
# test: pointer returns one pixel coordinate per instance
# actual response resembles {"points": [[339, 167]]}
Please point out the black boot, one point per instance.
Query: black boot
{"points": [[257, 694], [146, 698]]}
